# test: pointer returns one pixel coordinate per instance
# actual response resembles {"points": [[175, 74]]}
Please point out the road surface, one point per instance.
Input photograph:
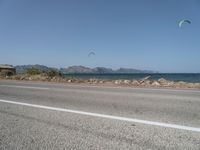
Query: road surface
{"points": [[61, 116]]}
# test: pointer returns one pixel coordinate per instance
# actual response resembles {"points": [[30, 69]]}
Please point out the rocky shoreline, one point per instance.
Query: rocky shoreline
{"points": [[130, 83]]}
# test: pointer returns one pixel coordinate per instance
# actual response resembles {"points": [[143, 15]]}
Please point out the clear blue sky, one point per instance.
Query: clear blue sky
{"points": [[142, 34]]}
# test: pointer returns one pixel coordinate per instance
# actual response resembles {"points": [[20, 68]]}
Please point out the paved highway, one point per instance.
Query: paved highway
{"points": [[61, 116]]}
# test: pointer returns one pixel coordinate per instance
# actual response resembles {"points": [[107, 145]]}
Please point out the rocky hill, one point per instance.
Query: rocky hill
{"points": [[79, 69], [76, 69], [21, 69], [100, 70], [130, 70]]}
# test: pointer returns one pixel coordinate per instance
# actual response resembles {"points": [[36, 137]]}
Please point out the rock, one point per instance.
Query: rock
{"points": [[95, 81], [182, 83], [44, 78], [162, 81], [135, 83], [126, 81], [101, 81], [69, 81], [118, 81], [22, 77], [170, 83], [155, 83], [190, 85], [165, 82], [146, 83], [91, 80]]}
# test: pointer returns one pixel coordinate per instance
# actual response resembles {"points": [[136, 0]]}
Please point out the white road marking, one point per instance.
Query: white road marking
{"points": [[25, 87], [166, 125]]}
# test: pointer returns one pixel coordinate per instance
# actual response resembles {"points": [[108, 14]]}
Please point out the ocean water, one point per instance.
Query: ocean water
{"points": [[186, 77]]}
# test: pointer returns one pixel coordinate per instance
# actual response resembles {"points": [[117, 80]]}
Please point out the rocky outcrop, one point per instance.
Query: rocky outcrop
{"points": [[155, 83]]}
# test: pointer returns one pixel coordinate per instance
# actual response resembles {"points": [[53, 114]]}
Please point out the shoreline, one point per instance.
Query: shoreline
{"points": [[145, 83]]}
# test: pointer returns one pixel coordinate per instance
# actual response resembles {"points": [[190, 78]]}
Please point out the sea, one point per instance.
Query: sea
{"points": [[185, 77]]}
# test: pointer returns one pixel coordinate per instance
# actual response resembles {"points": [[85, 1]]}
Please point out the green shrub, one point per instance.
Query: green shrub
{"points": [[50, 73], [54, 73], [33, 71]]}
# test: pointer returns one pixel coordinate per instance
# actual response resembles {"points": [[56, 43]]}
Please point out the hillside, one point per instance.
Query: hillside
{"points": [[101, 70], [80, 69], [21, 69]]}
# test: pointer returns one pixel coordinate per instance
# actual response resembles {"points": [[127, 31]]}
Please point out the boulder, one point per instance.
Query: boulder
{"points": [[170, 83], [155, 83], [101, 81], [135, 83], [95, 81], [126, 81], [182, 83], [146, 83], [22, 77], [165, 82], [162, 81], [118, 81], [191, 85]]}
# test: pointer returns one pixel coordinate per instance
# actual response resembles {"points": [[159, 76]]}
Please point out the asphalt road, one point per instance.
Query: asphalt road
{"points": [[58, 116]]}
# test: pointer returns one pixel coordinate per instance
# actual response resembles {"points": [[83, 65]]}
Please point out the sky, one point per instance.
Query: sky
{"points": [[140, 34]]}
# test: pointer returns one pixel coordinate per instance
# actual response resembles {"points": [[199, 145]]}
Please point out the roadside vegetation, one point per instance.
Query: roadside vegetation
{"points": [[33, 71], [50, 73]]}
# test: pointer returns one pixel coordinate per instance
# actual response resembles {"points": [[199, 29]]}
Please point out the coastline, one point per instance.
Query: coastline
{"points": [[144, 83]]}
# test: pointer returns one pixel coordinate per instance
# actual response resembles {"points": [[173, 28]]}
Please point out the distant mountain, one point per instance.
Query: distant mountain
{"points": [[103, 70], [77, 69], [100, 70], [130, 70], [80, 69], [21, 69]]}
